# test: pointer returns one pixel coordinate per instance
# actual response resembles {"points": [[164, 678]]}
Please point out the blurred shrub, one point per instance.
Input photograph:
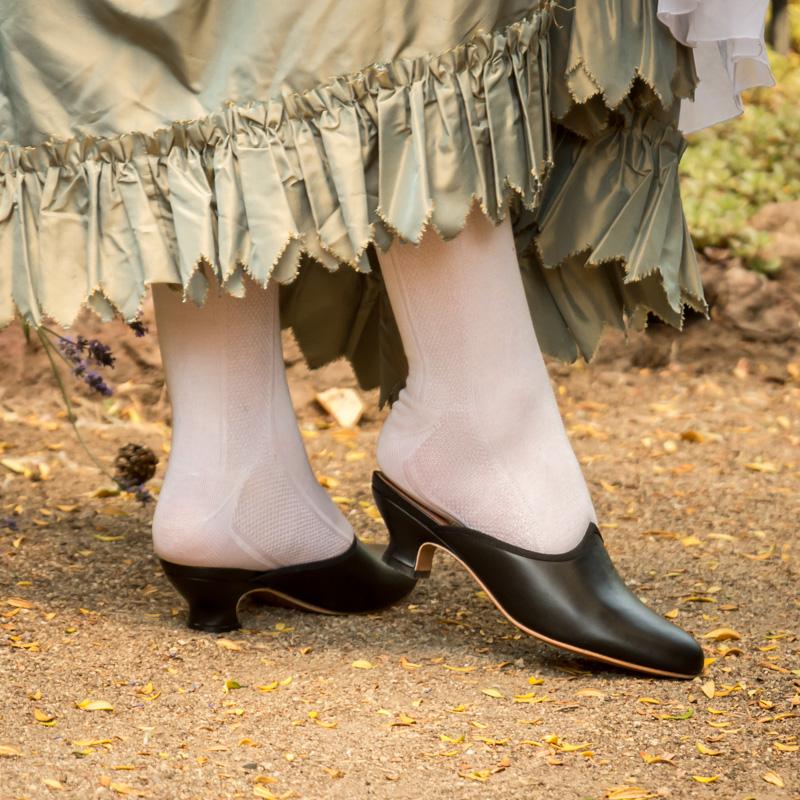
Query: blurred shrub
{"points": [[730, 171]]}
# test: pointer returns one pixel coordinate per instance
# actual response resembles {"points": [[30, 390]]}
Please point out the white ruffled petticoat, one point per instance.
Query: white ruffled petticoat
{"points": [[730, 54]]}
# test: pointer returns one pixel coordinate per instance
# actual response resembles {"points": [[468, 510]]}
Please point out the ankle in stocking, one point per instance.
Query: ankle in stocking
{"points": [[239, 490], [476, 432]]}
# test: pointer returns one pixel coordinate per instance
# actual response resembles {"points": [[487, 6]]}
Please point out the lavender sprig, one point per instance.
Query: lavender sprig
{"points": [[138, 327], [96, 382], [81, 354], [100, 353]]}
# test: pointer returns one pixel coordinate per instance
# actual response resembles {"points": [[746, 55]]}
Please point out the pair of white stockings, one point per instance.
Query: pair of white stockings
{"points": [[476, 432]]}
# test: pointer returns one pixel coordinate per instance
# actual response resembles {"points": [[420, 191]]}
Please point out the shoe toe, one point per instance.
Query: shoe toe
{"points": [[642, 638], [680, 652]]}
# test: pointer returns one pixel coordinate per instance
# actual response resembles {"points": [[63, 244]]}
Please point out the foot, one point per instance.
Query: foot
{"points": [[262, 518], [516, 479]]}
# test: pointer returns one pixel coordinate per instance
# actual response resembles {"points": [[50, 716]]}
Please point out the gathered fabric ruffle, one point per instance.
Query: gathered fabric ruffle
{"points": [[730, 52], [613, 245], [256, 189], [607, 51], [609, 244], [565, 120]]}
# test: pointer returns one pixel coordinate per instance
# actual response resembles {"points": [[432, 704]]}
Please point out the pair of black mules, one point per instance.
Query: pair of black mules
{"points": [[575, 600]]}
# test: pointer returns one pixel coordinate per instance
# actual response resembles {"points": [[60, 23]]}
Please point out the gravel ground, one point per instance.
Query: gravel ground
{"points": [[106, 693]]}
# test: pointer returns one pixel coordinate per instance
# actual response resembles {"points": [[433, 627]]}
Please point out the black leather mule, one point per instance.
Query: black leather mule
{"points": [[575, 600], [353, 582]]}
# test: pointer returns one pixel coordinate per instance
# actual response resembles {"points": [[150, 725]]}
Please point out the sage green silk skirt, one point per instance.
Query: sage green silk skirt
{"points": [[154, 141]]}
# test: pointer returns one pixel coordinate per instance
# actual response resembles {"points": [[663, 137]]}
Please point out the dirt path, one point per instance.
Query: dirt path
{"points": [[696, 474]]}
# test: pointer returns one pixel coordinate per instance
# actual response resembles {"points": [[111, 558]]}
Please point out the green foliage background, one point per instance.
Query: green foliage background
{"points": [[730, 171]]}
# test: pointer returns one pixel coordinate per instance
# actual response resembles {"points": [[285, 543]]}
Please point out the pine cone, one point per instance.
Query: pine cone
{"points": [[134, 465]]}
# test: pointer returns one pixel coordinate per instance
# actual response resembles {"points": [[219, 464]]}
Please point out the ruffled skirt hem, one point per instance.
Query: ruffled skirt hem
{"points": [[570, 131]]}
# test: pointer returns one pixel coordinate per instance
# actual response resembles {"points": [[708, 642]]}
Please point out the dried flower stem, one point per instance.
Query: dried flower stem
{"points": [[48, 348]]}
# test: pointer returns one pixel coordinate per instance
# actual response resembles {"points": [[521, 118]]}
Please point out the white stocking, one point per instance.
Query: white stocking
{"points": [[239, 490], [476, 433]]}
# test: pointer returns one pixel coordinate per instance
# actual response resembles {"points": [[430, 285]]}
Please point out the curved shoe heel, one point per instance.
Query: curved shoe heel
{"points": [[410, 549], [413, 557], [212, 602]]}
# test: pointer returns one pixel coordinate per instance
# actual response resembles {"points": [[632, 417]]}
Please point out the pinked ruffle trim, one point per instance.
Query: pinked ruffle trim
{"points": [[613, 244], [609, 244], [255, 189], [601, 50], [574, 136]]}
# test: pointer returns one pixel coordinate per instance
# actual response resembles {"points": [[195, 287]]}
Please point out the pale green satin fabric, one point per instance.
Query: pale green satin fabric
{"points": [[151, 141], [105, 67]]}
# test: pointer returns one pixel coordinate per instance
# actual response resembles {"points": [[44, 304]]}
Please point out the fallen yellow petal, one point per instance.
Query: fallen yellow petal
{"points": [[19, 602], [565, 747], [228, 644], [476, 775], [784, 748], [95, 705], [628, 793], [773, 778], [708, 689], [13, 465], [722, 634], [762, 466], [648, 758], [589, 693], [122, 788], [105, 491]]}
